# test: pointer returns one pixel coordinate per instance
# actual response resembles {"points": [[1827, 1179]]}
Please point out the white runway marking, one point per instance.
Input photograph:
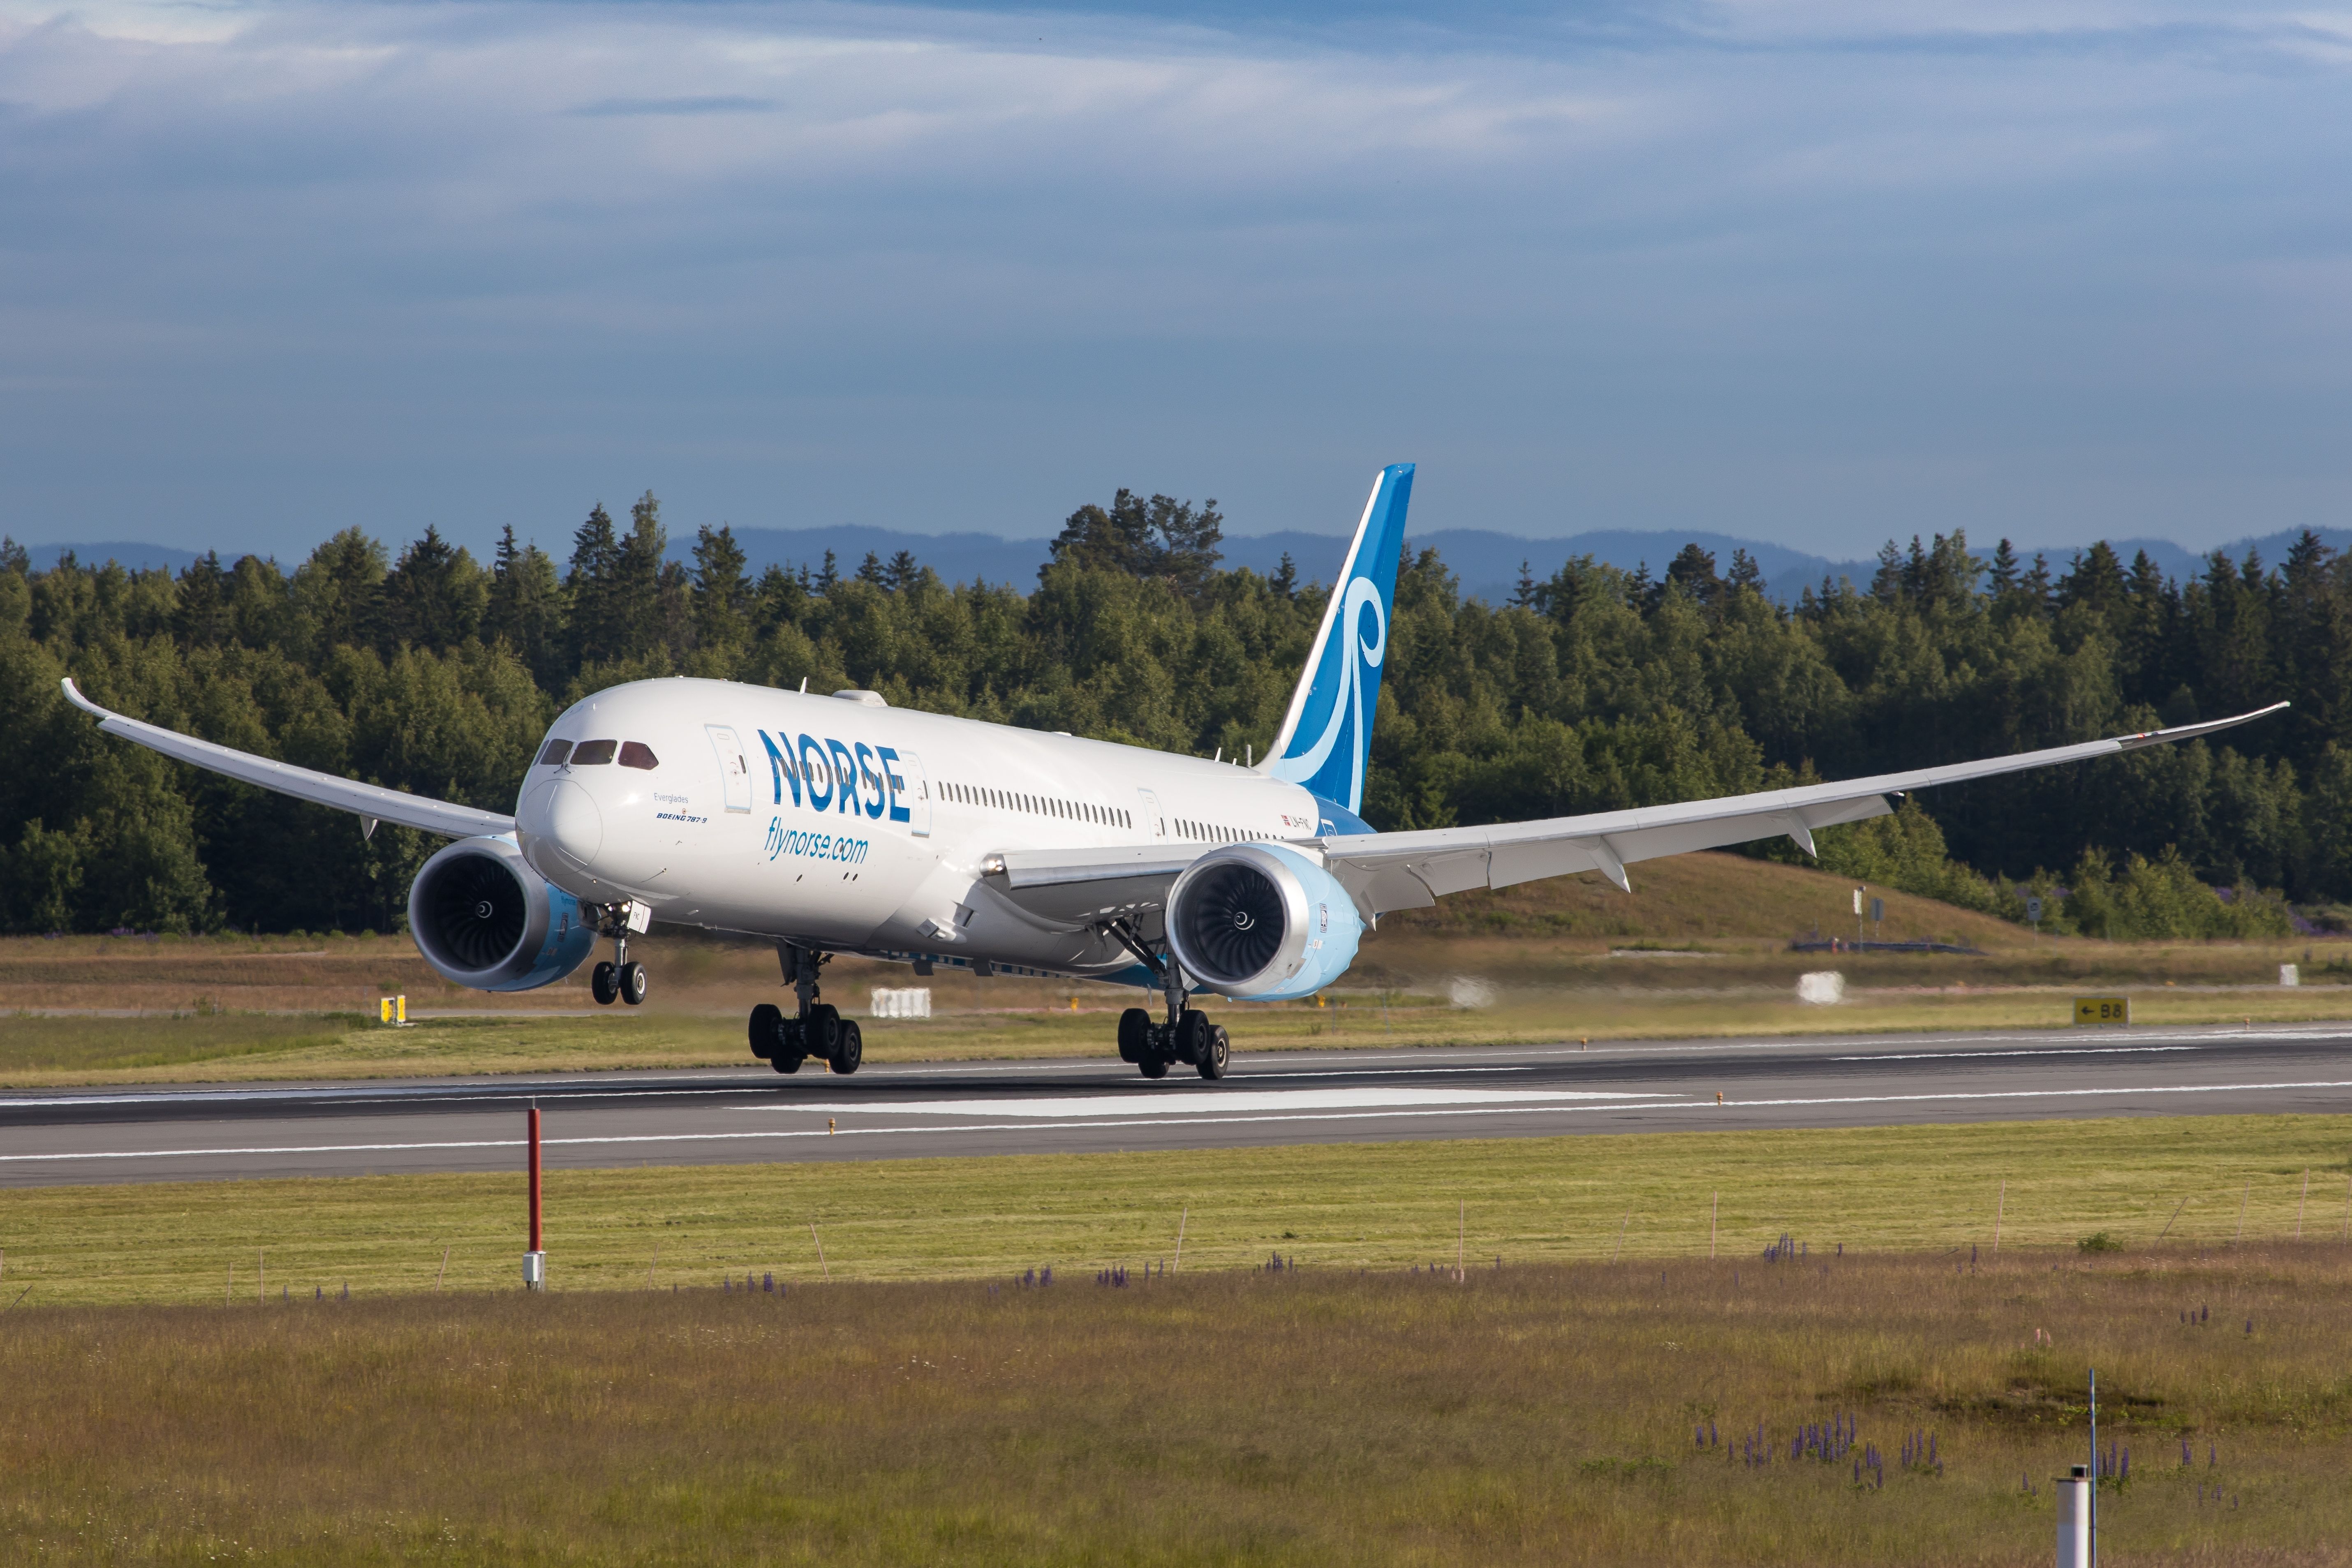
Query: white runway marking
{"points": [[1129, 1124], [1191, 1103], [2043, 1051]]}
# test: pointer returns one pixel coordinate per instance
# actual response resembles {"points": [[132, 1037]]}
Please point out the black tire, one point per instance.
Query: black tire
{"points": [[787, 1061], [821, 1031], [603, 985], [1134, 1034], [1154, 1066], [1218, 1054], [1191, 1041], [633, 984], [767, 1030], [852, 1048]]}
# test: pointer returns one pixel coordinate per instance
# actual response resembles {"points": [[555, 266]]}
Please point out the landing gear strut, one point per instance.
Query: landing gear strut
{"points": [[816, 1028], [619, 980], [1188, 1036]]}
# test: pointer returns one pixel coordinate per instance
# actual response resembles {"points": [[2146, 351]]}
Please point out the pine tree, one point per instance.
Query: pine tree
{"points": [[202, 617], [434, 597], [596, 561], [525, 610], [722, 594]]}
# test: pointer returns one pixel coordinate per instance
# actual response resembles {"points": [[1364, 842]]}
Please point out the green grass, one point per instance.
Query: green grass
{"points": [[1382, 1205], [37, 1049]]}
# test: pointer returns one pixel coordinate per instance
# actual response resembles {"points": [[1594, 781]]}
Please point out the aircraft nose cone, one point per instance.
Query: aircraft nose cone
{"points": [[566, 817]]}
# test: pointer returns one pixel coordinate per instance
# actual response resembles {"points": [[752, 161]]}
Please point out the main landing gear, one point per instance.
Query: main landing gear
{"points": [[817, 1029], [618, 979], [1186, 1036]]}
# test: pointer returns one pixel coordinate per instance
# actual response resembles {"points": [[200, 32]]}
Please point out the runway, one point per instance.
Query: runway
{"points": [[752, 1115]]}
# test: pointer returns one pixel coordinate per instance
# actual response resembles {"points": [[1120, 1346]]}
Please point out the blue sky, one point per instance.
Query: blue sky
{"points": [[1805, 270]]}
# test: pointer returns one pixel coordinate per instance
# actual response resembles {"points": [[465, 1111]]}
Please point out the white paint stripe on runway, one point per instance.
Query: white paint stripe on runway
{"points": [[930, 1129], [1190, 1102], [2045, 1051], [1128, 1124], [729, 1081]]}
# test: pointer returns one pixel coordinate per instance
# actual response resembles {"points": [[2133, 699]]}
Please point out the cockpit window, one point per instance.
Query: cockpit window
{"points": [[588, 753], [636, 754], [556, 751]]}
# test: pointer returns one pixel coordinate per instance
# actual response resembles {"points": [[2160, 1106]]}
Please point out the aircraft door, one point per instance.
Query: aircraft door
{"points": [[909, 790], [734, 769], [1152, 822]]}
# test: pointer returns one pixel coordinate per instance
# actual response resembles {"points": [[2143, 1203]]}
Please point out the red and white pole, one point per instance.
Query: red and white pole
{"points": [[534, 1262]]}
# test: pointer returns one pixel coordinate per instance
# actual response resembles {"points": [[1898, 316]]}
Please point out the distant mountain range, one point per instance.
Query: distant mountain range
{"points": [[1488, 564]]}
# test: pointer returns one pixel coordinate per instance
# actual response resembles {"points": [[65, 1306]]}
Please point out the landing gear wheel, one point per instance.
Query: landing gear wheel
{"points": [[1134, 1034], [1154, 1066], [852, 1049], [1214, 1057], [603, 985], [1191, 1041], [633, 984], [821, 1031], [787, 1061], [767, 1030]]}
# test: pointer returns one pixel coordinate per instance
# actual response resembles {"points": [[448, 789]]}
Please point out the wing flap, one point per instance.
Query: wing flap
{"points": [[1077, 887], [371, 802]]}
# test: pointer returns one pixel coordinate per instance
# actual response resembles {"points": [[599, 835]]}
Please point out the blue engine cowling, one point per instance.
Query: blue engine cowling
{"points": [[1259, 922], [483, 917]]}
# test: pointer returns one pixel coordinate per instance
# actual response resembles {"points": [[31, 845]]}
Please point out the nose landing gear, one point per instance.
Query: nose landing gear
{"points": [[618, 980], [817, 1029]]}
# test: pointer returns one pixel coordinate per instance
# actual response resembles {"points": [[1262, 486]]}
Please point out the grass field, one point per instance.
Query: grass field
{"points": [[1377, 1205], [1553, 1413], [1702, 948], [908, 1400]]}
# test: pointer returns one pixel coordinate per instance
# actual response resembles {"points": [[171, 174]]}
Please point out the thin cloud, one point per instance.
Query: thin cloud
{"points": [[629, 108]]}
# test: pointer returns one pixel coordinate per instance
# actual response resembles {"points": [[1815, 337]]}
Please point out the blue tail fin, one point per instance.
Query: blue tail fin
{"points": [[1327, 733]]}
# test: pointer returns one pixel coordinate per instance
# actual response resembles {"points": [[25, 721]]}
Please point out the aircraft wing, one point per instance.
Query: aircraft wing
{"points": [[1082, 887], [1387, 871], [1384, 871], [373, 802]]}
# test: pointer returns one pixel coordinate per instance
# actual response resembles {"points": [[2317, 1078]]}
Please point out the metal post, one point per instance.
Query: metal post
{"points": [[534, 1262], [2074, 1520]]}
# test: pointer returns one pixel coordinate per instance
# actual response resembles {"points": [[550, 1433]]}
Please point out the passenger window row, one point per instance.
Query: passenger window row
{"points": [[1211, 833], [1038, 805], [590, 753]]}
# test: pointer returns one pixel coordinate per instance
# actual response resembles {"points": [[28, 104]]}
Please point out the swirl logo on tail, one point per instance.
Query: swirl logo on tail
{"points": [[1327, 734]]}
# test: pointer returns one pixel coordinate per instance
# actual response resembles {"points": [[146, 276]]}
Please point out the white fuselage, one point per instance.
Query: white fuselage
{"points": [[857, 827]]}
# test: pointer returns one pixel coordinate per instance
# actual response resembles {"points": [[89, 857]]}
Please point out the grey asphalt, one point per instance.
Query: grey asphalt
{"points": [[752, 1115]]}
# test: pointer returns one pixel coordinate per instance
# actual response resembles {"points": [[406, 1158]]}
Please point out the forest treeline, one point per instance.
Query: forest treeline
{"points": [[1594, 689]]}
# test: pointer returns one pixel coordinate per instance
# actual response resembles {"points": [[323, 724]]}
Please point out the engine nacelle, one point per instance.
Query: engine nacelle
{"points": [[1259, 922], [483, 917]]}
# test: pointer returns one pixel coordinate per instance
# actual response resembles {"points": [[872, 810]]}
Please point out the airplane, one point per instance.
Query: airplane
{"points": [[841, 825]]}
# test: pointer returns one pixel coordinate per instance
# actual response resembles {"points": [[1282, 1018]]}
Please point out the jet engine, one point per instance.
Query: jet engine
{"points": [[483, 917], [1259, 922]]}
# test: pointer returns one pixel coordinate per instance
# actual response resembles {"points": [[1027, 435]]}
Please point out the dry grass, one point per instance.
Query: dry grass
{"points": [[1537, 1414]]}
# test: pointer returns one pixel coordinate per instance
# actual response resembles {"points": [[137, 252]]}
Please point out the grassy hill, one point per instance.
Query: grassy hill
{"points": [[1712, 898]]}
